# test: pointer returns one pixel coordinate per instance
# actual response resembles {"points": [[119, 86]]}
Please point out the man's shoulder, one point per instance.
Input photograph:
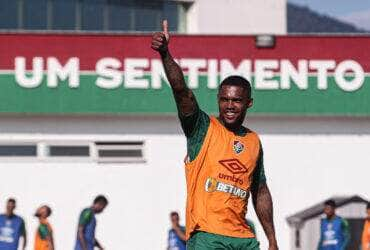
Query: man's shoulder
{"points": [[343, 220], [17, 217], [250, 132], [87, 211]]}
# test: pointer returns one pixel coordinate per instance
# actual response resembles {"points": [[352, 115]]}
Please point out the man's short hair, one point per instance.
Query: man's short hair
{"points": [[174, 213], [101, 199], [48, 210], [368, 205], [12, 200], [330, 203], [235, 80]]}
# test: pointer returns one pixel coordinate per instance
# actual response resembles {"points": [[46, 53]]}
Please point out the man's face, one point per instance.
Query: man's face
{"points": [[99, 207], [233, 103], [10, 206], [42, 212], [175, 219], [329, 211], [368, 213]]}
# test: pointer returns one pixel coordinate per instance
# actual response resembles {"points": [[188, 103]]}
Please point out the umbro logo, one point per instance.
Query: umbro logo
{"points": [[234, 166]]}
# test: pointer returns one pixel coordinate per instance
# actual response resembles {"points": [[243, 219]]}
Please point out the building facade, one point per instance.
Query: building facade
{"points": [[184, 16], [88, 114]]}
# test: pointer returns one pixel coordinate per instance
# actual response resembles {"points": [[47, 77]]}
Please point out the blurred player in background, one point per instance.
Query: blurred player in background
{"points": [[12, 228], [366, 232], [224, 163], [44, 233], [87, 223], [334, 229], [176, 235]]}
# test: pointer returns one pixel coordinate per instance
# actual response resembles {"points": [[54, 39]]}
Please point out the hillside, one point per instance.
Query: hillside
{"points": [[301, 19]]}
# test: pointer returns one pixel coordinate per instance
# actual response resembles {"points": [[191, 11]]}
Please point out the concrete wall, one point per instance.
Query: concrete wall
{"points": [[304, 163], [237, 17]]}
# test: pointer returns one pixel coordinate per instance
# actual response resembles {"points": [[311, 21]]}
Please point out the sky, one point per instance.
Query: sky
{"points": [[356, 12]]}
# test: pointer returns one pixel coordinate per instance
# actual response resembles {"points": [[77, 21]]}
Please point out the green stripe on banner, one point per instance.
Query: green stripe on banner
{"points": [[89, 98]]}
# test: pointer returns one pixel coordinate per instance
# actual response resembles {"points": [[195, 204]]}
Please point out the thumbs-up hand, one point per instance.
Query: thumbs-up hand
{"points": [[160, 40]]}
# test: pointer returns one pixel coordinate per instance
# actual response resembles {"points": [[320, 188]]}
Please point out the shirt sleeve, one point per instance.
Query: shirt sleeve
{"points": [[346, 232], [85, 217], [195, 127], [44, 231], [259, 176], [23, 228]]}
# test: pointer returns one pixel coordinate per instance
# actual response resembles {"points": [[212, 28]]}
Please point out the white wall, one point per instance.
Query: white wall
{"points": [[302, 165], [141, 195], [237, 17]]}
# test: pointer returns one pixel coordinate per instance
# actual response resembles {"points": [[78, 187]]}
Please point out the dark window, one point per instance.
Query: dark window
{"points": [[8, 14], [64, 14], [93, 14], [76, 151], [18, 150], [121, 15], [171, 13], [35, 14], [148, 15], [120, 153]]}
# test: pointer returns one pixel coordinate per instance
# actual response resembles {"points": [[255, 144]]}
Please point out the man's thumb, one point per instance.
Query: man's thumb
{"points": [[165, 29]]}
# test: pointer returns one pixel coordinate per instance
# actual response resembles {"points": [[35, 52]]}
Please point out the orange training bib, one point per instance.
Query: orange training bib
{"points": [[219, 182]]}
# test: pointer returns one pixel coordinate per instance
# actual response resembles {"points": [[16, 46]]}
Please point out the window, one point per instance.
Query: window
{"points": [[148, 15], [131, 151], [64, 14], [93, 14], [96, 15], [69, 151], [8, 14], [121, 15], [171, 13], [120, 152], [35, 14], [18, 150]]}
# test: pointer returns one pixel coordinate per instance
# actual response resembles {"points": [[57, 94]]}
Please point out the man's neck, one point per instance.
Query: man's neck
{"points": [[238, 129], [43, 220], [331, 217], [92, 209], [9, 214]]}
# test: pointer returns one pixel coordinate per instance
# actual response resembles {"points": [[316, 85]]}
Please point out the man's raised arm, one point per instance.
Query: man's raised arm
{"points": [[184, 97]]}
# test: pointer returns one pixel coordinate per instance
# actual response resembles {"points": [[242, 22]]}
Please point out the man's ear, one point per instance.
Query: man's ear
{"points": [[250, 103]]}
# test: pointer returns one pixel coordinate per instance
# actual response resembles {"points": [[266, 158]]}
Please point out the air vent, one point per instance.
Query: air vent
{"points": [[120, 152]]}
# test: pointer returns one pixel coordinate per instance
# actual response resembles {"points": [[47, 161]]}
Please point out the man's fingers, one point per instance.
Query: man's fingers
{"points": [[155, 43], [155, 47], [159, 37]]}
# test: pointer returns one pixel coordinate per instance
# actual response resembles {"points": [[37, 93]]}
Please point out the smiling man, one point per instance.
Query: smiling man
{"points": [[224, 163]]}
